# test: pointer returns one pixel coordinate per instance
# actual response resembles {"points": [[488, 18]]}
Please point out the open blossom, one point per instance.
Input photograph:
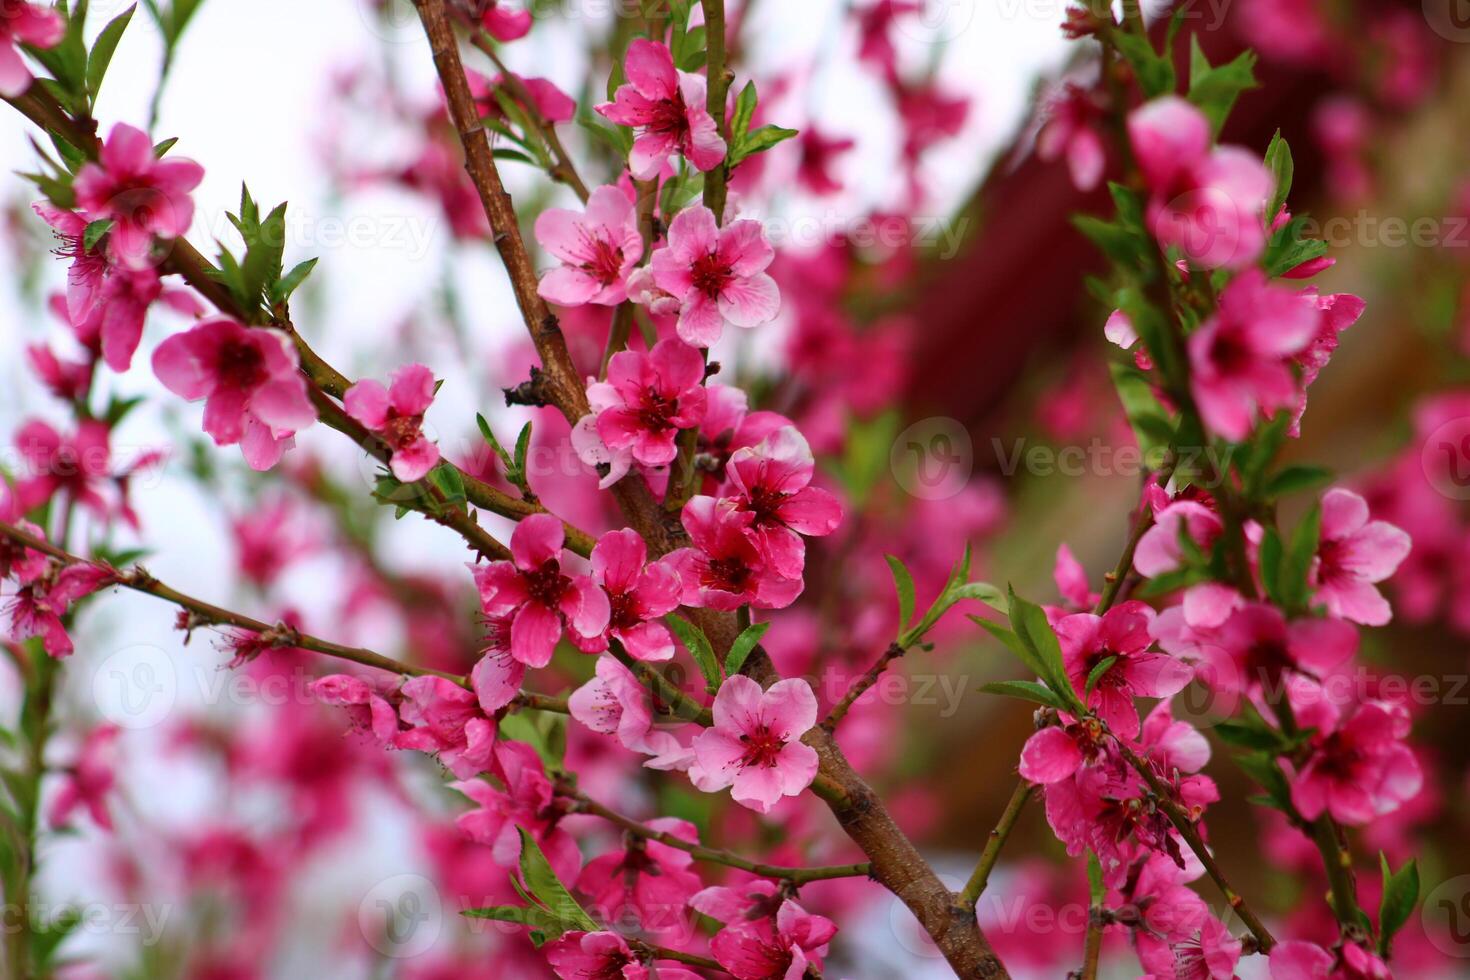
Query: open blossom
{"points": [[647, 399], [43, 594], [1209, 203], [538, 597], [396, 414], [1241, 357], [89, 267], [445, 720], [779, 948], [639, 593], [142, 195], [667, 106], [725, 569], [615, 703], [1071, 129], [755, 744], [1122, 633], [771, 482], [1353, 556], [527, 801], [24, 23], [1359, 767], [1300, 960], [718, 275], [648, 882], [78, 465], [607, 956], [88, 780], [597, 247], [248, 377]]}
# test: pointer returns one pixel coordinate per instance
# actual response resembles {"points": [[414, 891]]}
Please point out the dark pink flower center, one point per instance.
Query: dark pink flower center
{"points": [[711, 274], [727, 574], [624, 610], [401, 431], [765, 503], [547, 585], [762, 747], [240, 365], [670, 117], [1267, 659], [1228, 353], [656, 411], [606, 263]]}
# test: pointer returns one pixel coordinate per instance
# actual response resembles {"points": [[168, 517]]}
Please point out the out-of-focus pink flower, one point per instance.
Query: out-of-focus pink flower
{"points": [[1342, 126], [638, 592], [445, 720], [1339, 311], [647, 399], [725, 569], [668, 108], [1241, 357], [648, 884], [1354, 555], [1122, 633], [1300, 960], [253, 393], [584, 955], [527, 801], [88, 780], [78, 465], [598, 248], [1071, 581], [43, 595], [270, 537], [538, 597], [755, 744], [782, 947], [718, 275], [67, 380], [771, 482], [1359, 767], [503, 23], [24, 23], [396, 414], [1209, 203], [142, 195], [876, 22], [1070, 130], [615, 703], [819, 152]]}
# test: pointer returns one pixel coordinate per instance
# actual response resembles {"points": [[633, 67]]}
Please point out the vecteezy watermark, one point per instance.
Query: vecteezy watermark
{"points": [[1445, 458], [1101, 458], [1446, 917], [135, 687], [401, 917], [1205, 15], [145, 921], [938, 21], [1450, 19], [933, 458]]}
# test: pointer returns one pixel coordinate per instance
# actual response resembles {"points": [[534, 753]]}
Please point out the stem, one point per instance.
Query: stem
{"points": [[664, 953], [975, 887], [715, 97], [1092, 951], [796, 876], [861, 685]]}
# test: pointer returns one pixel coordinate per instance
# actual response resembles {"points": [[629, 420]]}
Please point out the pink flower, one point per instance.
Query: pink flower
{"points": [[782, 948], [1070, 130], [497, 676], [1071, 581], [606, 956], [1359, 767], [503, 24], [396, 414], [1208, 203], [528, 801], [755, 744], [647, 399], [598, 248], [88, 780], [771, 483], [142, 195], [1122, 633], [730, 425], [1209, 952], [539, 598], [24, 23], [45, 594], [88, 268], [615, 703], [818, 153], [648, 884], [1300, 960], [1241, 357], [67, 380], [79, 465], [718, 275], [667, 106], [639, 594], [725, 569], [248, 378], [1159, 550], [1354, 555], [445, 720]]}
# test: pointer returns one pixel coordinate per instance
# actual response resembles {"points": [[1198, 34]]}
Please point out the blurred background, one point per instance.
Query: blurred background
{"points": [[936, 318]]}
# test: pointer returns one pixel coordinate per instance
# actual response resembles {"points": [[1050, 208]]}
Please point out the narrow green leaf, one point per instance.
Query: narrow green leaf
{"points": [[103, 49], [744, 110], [1026, 691], [1279, 162], [1400, 894], [1096, 674], [1295, 479], [699, 648], [743, 645], [903, 582], [543, 884], [291, 281]]}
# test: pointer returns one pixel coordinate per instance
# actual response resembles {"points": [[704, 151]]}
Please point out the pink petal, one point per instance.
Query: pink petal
{"points": [[497, 680], [412, 390], [536, 540], [1049, 755], [533, 634], [650, 68], [750, 302]]}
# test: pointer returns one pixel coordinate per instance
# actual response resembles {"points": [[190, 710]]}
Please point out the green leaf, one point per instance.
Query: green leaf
{"points": [[699, 648], [744, 110], [159, 149], [983, 591], [1096, 674], [1279, 162], [759, 141], [1400, 894], [1296, 564], [446, 478], [1155, 72], [903, 582], [1029, 622], [1150, 422], [103, 49], [1295, 479], [1026, 691], [1288, 247], [743, 645], [1214, 90], [94, 231], [523, 446], [489, 436], [1257, 737], [516, 155], [543, 884], [288, 284], [1263, 769], [1270, 561]]}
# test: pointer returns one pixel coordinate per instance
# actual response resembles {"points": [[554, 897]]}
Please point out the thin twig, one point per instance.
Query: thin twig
{"points": [[975, 887], [717, 91], [861, 685]]}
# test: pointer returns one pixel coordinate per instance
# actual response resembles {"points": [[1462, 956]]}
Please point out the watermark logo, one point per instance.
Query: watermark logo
{"points": [[401, 917], [1450, 19], [938, 21], [933, 458], [1445, 458], [1446, 917], [136, 687]]}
